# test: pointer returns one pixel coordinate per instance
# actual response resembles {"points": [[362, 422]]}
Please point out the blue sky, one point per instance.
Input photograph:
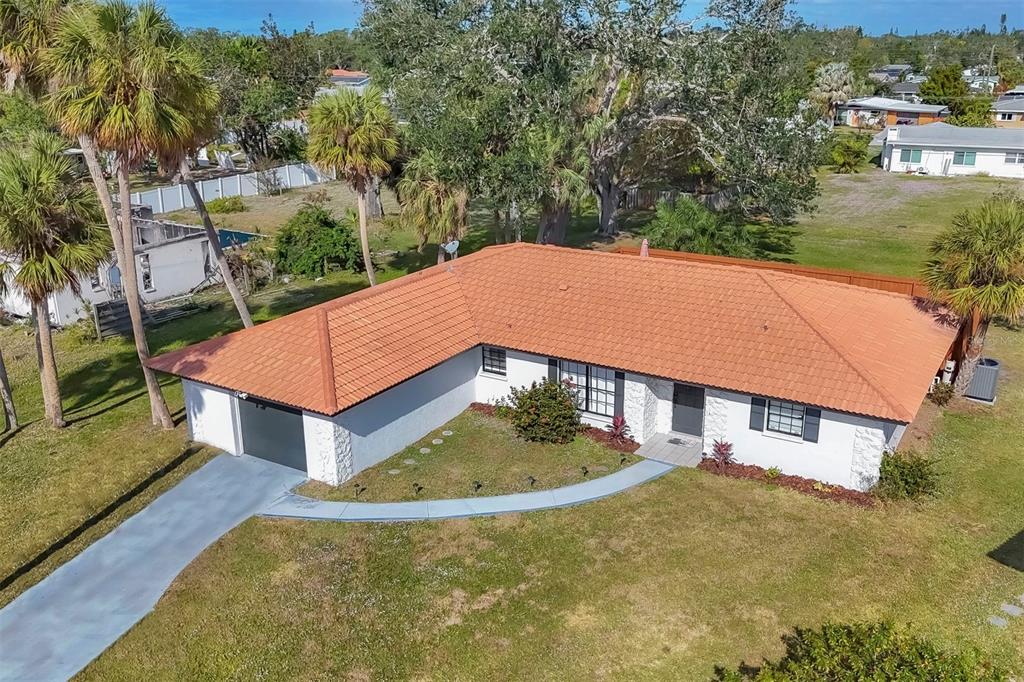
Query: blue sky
{"points": [[876, 16]]}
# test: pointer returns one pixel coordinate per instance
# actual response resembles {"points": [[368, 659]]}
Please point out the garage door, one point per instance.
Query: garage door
{"points": [[272, 432]]}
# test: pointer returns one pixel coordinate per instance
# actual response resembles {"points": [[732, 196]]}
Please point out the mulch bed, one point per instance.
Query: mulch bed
{"points": [[628, 446], [835, 493]]}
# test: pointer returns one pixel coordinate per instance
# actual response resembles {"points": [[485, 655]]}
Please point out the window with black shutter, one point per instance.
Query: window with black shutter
{"points": [[494, 361]]}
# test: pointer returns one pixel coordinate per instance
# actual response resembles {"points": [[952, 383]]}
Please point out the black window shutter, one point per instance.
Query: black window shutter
{"points": [[812, 420], [552, 369], [757, 406], [620, 393]]}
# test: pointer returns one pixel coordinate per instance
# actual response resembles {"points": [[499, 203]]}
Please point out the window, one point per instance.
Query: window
{"points": [[785, 418], [147, 273], [595, 386], [910, 156], [1014, 157], [494, 360], [964, 158], [94, 280], [1005, 117]]}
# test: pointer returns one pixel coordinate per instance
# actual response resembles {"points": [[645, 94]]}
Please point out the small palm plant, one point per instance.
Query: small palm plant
{"points": [[354, 136], [51, 226], [977, 265], [432, 206]]}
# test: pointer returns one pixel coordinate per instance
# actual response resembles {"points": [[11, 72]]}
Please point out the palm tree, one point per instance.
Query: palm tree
{"points": [[51, 223], [10, 414], [564, 164], [189, 91], [25, 30], [977, 265], [834, 83], [434, 208], [116, 66], [355, 137]]}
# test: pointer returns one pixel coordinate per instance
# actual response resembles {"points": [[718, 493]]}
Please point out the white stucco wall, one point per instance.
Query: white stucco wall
{"points": [[848, 451], [392, 420], [939, 161], [521, 369], [328, 449], [211, 416]]}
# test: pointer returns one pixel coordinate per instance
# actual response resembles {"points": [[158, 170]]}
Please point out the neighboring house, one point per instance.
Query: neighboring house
{"points": [[981, 84], [878, 112], [890, 73], [815, 377], [1008, 112], [344, 79], [943, 149], [170, 260], [1012, 93], [907, 91]]}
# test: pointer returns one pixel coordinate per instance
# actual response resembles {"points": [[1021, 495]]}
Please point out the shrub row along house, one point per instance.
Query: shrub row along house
{"points": [[814, 377], [943, 149]]}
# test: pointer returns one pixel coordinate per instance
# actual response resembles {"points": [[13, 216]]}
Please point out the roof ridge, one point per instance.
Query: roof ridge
{"points": [[326, 360], [862, 373]]}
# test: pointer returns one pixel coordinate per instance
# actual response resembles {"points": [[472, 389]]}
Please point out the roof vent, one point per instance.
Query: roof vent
{"points": [[645, 249], [563, 287]]}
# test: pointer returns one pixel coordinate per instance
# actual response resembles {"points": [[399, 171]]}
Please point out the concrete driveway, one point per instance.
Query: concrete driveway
{"points": [[58, 626]]}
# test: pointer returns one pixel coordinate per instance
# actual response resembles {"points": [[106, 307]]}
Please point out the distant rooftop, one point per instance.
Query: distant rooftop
{"points": [[889, 104], [946, 135], [1008, 105]]}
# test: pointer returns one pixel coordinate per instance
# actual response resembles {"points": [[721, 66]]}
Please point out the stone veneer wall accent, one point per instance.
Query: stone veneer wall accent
{"points": [[328, 450], [868, 445], [716, 416], [661, 405], [634, 408]]}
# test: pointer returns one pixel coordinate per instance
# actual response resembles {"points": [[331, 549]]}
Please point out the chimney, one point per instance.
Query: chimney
{"points": [[645, 249]]}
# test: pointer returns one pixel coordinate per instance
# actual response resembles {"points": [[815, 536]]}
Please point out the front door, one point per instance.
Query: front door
{"points": [[688, 409]]}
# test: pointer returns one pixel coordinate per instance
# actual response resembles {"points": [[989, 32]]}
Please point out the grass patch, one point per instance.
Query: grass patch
{"points": [[662, 582], [481, 449]]}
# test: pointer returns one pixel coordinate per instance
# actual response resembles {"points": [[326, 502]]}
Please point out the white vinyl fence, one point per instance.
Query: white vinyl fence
{"points": [[174, 197]]}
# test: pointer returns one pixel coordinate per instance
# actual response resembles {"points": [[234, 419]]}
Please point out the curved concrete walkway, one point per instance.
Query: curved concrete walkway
{"points": [[300, 507]]}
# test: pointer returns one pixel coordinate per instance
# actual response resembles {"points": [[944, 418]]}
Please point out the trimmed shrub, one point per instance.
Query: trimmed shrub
{"points": [[618, 431], [225, 205], [721, 453], [313, 240], [942, 393], [849, 152], [906, 476], [865, 651], [545, 412]]}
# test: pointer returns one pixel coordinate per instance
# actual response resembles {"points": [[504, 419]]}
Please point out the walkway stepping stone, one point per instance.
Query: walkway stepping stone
{"points": [[997, 621], [1012, 610], [394, 471], [424, 451], [446, 433], [408, 461], [437, 441]]}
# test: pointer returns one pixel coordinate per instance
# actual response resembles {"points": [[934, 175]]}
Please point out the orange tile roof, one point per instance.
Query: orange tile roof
{"points": [[754, 331]]}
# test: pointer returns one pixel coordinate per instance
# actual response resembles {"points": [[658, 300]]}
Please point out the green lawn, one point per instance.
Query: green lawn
{"points": [[882, 222], [480, 449], [662, 582]]}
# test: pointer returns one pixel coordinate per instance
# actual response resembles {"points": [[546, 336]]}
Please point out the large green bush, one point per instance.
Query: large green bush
{"points": [[225, 205], [906, 476], [545, 412], [313, 240], [688, 225], [865, 651], [849, 152]]}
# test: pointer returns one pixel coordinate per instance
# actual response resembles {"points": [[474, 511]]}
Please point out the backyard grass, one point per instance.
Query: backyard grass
{"points": [[882, 222], [662, 582], [480, 449]]}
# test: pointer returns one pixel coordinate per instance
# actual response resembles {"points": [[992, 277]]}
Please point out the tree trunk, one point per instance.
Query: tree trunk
{"points": [[499, 229], [214, 240], [608, 195], [364, 237], [515, 222], [374, 208], [130, 280], [11, 421], [554, 222], [440, 253], [48, 367]]}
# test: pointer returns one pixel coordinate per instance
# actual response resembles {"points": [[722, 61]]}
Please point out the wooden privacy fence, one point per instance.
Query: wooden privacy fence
{"points": [[897, 285]]}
